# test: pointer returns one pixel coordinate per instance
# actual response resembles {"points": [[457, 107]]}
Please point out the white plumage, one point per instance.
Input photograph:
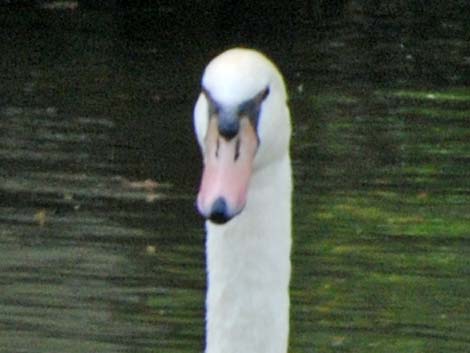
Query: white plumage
{"points": [[248, 256]]}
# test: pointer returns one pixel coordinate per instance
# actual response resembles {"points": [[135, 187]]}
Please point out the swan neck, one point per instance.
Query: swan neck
{"points": [[248, 263]]}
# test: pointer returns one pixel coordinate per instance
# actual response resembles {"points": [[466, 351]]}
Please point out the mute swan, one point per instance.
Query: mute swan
{"points": [[243, 127]]}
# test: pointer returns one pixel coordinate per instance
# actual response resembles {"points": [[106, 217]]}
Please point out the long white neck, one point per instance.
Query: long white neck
{"points": [[248, 261]]}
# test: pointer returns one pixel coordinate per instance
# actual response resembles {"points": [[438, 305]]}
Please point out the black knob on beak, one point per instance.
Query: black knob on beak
{"points": [[220, 212]]}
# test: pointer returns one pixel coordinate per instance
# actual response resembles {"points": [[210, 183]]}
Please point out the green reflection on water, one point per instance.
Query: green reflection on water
{"points": [[455, 94], [381, 243]]}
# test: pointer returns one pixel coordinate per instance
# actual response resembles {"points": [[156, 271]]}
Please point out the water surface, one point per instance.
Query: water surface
{"points": [[102, 250]]}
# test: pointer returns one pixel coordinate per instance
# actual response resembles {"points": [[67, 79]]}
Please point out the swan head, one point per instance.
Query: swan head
{"points": [[242, 124]]}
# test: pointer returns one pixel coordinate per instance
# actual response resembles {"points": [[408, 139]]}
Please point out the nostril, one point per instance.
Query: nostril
{"points": [[219, 212]]}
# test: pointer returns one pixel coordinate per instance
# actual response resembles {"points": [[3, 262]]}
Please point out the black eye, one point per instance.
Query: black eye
{"points": [[264, 94], [252, 107]]}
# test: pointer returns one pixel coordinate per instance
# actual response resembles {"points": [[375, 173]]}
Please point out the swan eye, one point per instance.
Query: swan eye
{"points": [[251, 108], [264, 94]]}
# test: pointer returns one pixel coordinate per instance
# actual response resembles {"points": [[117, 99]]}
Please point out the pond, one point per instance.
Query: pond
{"points": [[102, 249]]}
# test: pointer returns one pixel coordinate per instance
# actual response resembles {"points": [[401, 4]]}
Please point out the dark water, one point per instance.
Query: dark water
{"points": [[101, 248]]}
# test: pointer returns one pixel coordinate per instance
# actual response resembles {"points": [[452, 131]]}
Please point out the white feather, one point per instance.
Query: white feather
{"points": [[248, 258]]}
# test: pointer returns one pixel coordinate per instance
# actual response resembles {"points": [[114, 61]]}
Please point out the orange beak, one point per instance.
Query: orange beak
{"points": [[228, 166]]}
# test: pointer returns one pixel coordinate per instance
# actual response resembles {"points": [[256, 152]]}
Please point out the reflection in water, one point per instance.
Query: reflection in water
{"points": [[93, 261], [387, 224]]}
